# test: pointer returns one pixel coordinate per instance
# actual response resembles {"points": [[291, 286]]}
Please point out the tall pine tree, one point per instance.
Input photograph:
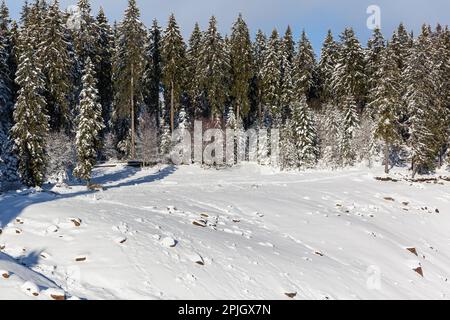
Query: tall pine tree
{"points": [[385, 101], [89, 124], [420, 85], [104, 67], [56, 66], [129, 63], [174, 65], [241, 67], [214, 64], [31, 122]]}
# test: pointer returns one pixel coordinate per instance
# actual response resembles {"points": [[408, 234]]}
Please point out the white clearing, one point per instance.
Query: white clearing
{"points": [[242, 233]]}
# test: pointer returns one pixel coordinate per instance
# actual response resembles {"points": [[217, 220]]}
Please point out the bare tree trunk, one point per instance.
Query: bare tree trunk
{"points": [[238, 118], [133, 137], [386, 158], [172, 111], [260, 109]]}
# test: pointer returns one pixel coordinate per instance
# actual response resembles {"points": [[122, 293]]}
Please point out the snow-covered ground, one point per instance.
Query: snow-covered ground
{"points": [[240, 233]]}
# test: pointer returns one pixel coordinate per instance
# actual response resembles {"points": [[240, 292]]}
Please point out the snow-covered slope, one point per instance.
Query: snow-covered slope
{"points": [[240, 233]]}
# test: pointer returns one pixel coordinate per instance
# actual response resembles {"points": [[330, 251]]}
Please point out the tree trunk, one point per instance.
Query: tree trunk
{"points": [[238, 118], [260, 110], [172, 111], [133, 138], [386, 158]]}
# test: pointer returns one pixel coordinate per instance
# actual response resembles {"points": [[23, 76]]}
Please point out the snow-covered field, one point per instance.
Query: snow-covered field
{"points": [[240, 233]]}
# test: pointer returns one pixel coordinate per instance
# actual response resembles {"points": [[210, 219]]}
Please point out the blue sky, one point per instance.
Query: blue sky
{"points": [[315, 16]]}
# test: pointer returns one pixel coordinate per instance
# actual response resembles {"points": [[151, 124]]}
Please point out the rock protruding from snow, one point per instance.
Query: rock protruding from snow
{"points": [[169, 242], [55, 294], [75, 221], [4, 274], [196, 258]]}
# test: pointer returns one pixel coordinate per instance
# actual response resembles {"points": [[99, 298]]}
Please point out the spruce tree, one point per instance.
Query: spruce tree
{"points": [[440, 53], [326, 67], [375, 47], [56, 66], [271, 77], [349, 79], [153, 71], [304, 68], [420, 85], [129, 64], [350, 122], [104, 67], [241, 66], [214, 64], [386, 99], [303, 134], [6, 95], [31, 122], [259, 52], [174, 64], [401, 44], [287, 93], [89, 124], [194, 86], [86, 34]]}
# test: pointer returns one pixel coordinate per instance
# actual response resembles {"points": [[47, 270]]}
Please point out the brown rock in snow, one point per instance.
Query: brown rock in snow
{"points": [[291, 294], [58, 297], [412, 250], [419, 271], [76, 221]]}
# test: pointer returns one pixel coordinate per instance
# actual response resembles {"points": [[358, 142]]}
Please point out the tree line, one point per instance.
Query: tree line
{"points": [[118, 91]]}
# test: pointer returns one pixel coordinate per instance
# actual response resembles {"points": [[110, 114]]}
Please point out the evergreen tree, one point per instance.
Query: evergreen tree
{"points": [[305, 68], [129, 64], [349, 79], [86, 34], [375, 47], [326, 67], [5, 76], [31, 122], [287, 94], [165, 143], [214, 65], [194, 72], [241, 66], [56, 66], [104, 67], [6, 94], [386, 98], [271, 77], [259, 52], [35, 24], [303, 134], [420, 85], [153, 71], [350, 123], [401, 44], [441, 67], [89, 124], [174, 64]]}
